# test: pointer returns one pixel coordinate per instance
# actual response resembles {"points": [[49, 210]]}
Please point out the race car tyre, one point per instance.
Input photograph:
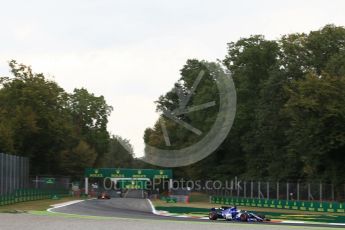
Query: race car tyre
{"points": [[244, 217], [213, 216]]}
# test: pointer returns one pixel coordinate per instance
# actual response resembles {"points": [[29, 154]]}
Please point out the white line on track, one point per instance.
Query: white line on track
{"points": [[292, 222], [154, 211], [341, 224], [60, 205]]}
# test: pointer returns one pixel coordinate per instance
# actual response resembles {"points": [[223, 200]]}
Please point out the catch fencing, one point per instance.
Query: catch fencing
{"points": [[16, 185], [22, 195], [50, 182], [297, 191], [14, 173]]}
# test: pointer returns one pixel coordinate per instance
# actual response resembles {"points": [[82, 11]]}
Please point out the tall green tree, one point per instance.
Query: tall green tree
{"points": [[206, 91], [61, 133], [90, 115], [76, 159], [290, 119], [316, 108], [251, 61], [34, 120], [120, 154]]}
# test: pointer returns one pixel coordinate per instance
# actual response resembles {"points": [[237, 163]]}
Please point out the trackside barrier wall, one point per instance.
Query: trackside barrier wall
{"points": [[313, 206], [14, 173], [22, 195]]}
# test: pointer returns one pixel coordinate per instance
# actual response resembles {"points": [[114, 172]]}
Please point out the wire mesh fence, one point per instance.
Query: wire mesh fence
{"points": [[293, 191], [22, 195], [17, 186], [50, 182]]}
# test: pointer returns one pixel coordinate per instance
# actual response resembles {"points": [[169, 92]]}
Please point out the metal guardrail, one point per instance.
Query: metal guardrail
{"points": [[313, 206]]}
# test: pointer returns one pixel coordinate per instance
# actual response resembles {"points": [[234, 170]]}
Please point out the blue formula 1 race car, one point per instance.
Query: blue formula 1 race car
{"points": [[234, 214]]}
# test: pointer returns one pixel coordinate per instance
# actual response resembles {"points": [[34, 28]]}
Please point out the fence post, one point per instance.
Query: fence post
{"points": [[268, 190], [86, 185], [1, 174], [238, 187], [332, 188], [252, 189], [298, 191], [320, 192], [6, 176], [9, 175], [287, 191], [245, 189], [277, 190], [260, 194]]}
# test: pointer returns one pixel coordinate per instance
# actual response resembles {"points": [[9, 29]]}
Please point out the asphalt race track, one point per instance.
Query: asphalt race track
{"points": [[115, 207], [38, 222], [123, 214], [141, 209]]}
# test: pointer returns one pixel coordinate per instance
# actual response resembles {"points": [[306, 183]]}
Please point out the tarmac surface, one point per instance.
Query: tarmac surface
{"points": [[115, 207], [126, 214], [41, 222]]}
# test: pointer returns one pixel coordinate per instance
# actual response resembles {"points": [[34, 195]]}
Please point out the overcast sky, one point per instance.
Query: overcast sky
{"points": [[131, 51]]}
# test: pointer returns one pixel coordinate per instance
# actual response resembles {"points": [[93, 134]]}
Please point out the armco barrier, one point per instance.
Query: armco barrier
{"points": [[22, 195], [312, 206]]}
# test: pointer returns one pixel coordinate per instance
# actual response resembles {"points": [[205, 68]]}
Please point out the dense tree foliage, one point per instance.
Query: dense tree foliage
{"points": [[61, 133], [289, 124], [120, 154], [206, 91], [290, 121]]}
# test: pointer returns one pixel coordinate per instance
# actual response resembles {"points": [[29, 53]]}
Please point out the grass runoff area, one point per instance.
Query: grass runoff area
{"points": [[199, 206], [37, 205]]}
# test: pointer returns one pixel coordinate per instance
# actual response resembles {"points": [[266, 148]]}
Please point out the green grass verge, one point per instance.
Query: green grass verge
{"points": [[200, 206], [323, 218], [37, 205], [46, 213]]}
